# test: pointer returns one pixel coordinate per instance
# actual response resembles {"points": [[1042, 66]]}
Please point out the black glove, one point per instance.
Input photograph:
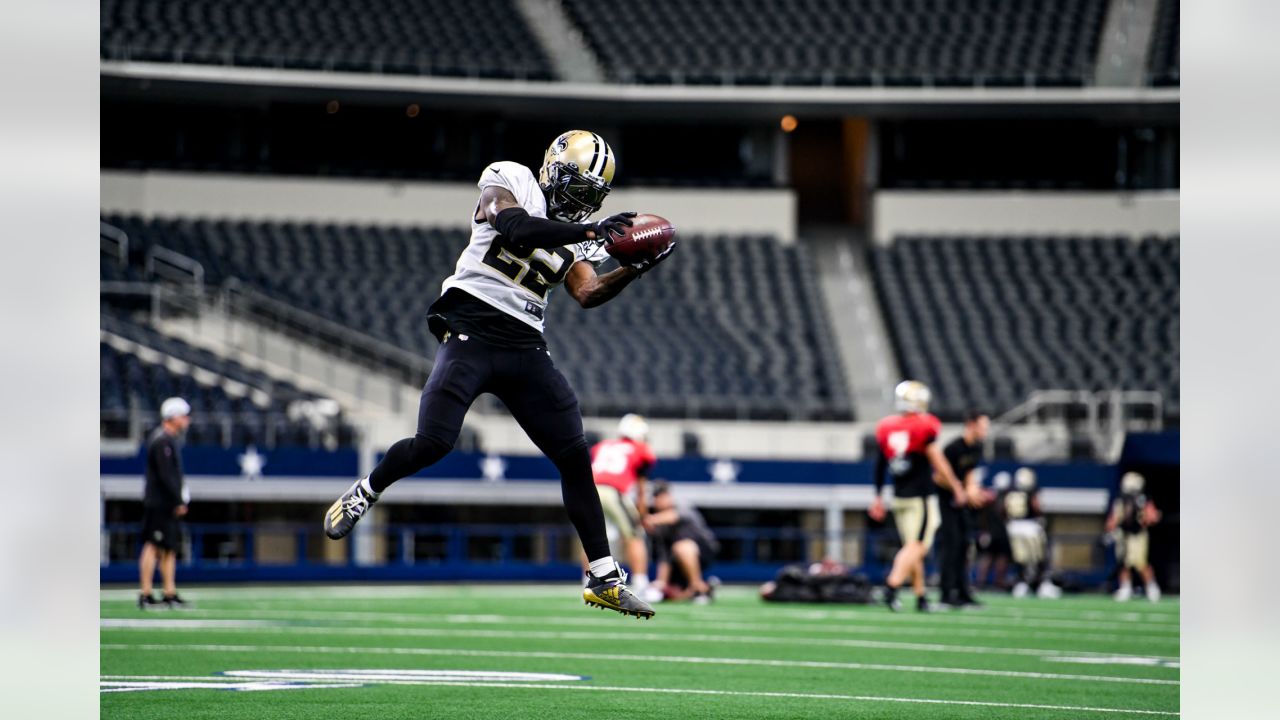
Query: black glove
{"points": [[609, 228], [645, 266]]}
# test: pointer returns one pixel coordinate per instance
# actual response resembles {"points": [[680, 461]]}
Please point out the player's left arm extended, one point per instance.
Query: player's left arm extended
{"points": [[591, 289], [943, 468], [501, 210]]}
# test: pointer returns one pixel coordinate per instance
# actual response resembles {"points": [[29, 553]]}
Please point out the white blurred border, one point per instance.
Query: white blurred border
{"points": [[1230, 365], [48, 377]]}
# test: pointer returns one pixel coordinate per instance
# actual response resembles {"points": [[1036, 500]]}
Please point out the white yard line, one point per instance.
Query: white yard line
{"points": [[870, 627], [960, 617], [757, 694], [872, 614], [129, 624], [677, 659]]}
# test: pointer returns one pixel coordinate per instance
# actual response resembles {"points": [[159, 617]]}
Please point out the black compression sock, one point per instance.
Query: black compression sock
{"points": [[582, 500]]}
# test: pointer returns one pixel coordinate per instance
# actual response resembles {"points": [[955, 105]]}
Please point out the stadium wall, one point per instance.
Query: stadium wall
{"points": [[382, 202], [930, 212]]}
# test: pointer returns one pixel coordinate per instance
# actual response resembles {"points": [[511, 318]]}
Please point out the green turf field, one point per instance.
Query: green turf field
{"points": [[370, 652]]}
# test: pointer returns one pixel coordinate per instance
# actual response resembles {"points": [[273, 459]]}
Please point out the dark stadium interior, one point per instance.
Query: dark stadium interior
{"points": [[1086, 313]]}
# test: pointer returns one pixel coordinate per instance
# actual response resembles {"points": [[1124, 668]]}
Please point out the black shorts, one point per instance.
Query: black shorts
{"points": [[524, 379], [161, 528]]}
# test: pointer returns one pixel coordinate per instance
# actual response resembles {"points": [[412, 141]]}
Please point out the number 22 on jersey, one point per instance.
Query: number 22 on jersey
{"points": [[538, 271]]}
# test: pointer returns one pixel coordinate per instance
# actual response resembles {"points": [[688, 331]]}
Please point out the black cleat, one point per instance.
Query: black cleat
{"points": [[923, 605], [891, 599], [175, 602], [147, 602], [346, 510], [610, 593]]}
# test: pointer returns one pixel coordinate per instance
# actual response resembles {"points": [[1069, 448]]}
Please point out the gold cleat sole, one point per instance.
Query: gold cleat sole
{"points": [[623, 611]]}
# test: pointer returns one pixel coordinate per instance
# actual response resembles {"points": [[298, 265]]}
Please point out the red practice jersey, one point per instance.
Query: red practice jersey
{"points": [[618, 463], [902, 439]]}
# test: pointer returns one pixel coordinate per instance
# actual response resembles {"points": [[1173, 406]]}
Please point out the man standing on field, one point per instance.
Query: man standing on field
{"points": [[164, 502]]}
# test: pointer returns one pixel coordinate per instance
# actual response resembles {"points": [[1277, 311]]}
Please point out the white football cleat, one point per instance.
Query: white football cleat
{"points": [[1048, 591], [1021, 590], [1123, 593], [1153, 592]]}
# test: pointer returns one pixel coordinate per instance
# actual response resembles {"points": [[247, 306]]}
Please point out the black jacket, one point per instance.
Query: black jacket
{"points": [[164, 472]]}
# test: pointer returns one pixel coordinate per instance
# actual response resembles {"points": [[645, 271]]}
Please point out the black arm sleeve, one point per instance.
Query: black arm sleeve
{"points": [[878, 473], [522, 230]]}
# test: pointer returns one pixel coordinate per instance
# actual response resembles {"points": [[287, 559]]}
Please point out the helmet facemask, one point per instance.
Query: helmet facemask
{"points": [[571, 196]]}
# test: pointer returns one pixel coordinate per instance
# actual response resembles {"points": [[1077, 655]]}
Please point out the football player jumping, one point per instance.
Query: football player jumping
{"points": [[909, 450], [528, 236]]}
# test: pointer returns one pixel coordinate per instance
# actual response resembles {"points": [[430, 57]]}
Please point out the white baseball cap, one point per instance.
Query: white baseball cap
{"points": [[174, 407]]}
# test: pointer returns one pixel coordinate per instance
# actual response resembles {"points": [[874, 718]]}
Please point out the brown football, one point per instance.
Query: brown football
{"points": [[647, 236]]}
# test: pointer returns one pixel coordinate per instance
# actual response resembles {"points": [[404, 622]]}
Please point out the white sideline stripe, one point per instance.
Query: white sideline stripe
{"points": [[185, 623], [879, 617], [764, 694], [180, 683], [547, 655], [125, 624], [963, 617], [357, 592], [492, 619], [539, 590]]}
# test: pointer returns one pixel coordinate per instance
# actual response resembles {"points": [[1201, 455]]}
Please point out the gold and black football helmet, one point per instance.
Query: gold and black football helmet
{"points": [[576, 174]]}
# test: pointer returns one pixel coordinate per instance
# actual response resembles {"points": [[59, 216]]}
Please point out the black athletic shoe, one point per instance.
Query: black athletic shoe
{"points": [[923, 605], [175, 602], [346, 510], [610, 593], [147, 602], [891, 599], [971, 602]]}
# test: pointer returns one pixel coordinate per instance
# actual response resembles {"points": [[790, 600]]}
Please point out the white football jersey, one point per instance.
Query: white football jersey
{"points": [[518, 283]]}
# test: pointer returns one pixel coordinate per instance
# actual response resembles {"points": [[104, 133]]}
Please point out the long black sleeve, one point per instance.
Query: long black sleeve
{"points": [[523, 230], [878, 474], [164, 475]]}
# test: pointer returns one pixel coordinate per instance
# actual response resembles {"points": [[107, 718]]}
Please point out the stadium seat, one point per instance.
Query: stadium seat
{"points": [[987, 320], [863, 42], [732, 330], [415, 37], [129, 384]]}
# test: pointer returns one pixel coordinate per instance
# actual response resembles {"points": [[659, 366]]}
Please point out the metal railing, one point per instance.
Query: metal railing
{"points": [[114, 241], [1104, 416], [174, 266], [238, 299]]}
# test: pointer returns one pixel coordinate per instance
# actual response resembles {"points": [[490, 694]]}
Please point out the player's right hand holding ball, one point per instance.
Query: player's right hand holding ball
{"points": [[643, 243]]}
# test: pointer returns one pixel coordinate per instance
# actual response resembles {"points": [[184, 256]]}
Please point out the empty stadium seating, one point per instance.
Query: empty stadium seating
{"points": [[480, 38], [1166, 55], [985, 321], [839, 42], [731, 329], [255, 415]]}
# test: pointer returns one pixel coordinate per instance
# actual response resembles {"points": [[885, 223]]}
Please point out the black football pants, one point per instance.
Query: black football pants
{"points": [[953, 552], [539, 398]]}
